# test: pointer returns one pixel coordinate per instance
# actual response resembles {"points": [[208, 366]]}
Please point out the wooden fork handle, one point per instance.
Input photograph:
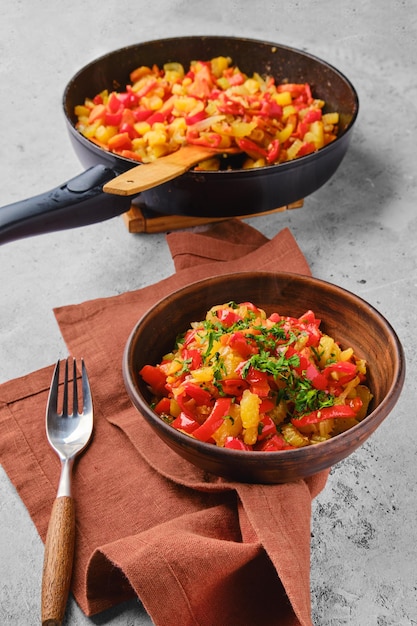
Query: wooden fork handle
{"points": [[57, 565]]}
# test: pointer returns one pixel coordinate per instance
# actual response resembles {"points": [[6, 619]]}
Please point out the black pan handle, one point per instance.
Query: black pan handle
{"points": [[78, 202]]}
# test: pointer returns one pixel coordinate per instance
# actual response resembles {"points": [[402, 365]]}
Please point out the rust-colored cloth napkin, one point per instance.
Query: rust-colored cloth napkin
{"points": [[196, 549]]}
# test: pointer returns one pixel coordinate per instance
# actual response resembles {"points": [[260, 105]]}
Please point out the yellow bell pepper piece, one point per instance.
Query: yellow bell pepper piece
{"points": [[203, 374], [283, 98], [249, 413]]}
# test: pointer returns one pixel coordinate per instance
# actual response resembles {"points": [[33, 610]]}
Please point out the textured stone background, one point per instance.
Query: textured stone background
{"points": [[359, 231]]}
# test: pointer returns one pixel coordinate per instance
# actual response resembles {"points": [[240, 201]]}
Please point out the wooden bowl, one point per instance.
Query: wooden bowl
{"points": [[345, 316]]}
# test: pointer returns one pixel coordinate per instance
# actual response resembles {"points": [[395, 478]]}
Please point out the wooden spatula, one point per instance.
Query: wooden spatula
{"points": [[166, 168]]}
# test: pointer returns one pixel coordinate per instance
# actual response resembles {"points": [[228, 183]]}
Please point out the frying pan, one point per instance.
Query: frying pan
{"points": [[227, 193]]}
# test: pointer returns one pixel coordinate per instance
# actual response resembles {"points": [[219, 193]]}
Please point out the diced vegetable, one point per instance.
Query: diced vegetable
{"points": [[247, 381], [212, 104]]}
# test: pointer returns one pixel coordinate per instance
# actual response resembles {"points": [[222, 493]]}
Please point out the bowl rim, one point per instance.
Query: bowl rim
{"points": [[350, 435]]}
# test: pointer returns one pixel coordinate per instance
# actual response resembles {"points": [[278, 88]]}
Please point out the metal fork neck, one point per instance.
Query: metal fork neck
{"points": [[64, 487]]}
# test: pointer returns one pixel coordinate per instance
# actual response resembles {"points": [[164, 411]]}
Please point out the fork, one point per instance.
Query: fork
{"points": [[68, 434]]}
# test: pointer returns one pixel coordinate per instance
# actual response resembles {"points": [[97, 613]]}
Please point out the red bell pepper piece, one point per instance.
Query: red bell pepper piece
{"points": [[251, 148], [295, 89], [258, 382], [185, 423], [355, 403], [114, 104], [189, 336], [163, 406], [309, 318], [345, 367], [155, 378], [215, 419], [197, 117], [308, 94], [234, 386], [228, 317], [275, 317], [303, 361], [307, 148], [149, 85], [230, 107], [270, 108], [273, 444], [210, 140], [337, 411], [193, 357], [310, 324], [266, 428], [304, 96], [129, 129], [251, 307], [302, 128], [121, 141], [314, 334], [236, 79], [266, 405], [128, 117], [158, 117], [233, 443], [141, 114], [241, 344], [273, 151], [314, 115], [346, 370], [97, 113], [203, 82], [113, 119], [129, 154], [186, 403], [197, 393], [129, 98], [318, 380]]}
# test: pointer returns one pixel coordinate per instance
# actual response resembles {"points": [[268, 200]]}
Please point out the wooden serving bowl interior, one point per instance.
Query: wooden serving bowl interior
{"points": [[345, 316]]}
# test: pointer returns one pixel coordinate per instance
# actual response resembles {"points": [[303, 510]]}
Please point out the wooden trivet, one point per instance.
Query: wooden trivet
{"points": [[138, 222]]}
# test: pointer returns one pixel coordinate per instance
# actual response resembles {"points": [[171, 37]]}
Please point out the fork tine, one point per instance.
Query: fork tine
{"points": [[53, 391], [65, 398], [74, 389], [87, 401]]}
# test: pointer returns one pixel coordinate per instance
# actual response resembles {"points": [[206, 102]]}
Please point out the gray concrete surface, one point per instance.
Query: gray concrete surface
{"points": [[359, 231]]}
